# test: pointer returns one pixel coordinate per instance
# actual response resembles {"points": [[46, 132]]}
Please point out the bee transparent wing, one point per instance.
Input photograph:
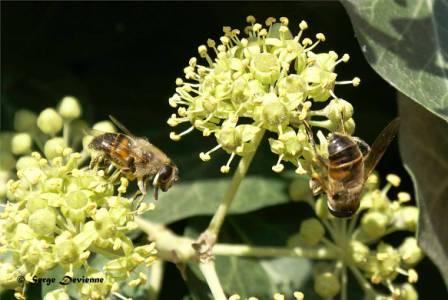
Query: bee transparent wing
{"points": [[121, 126], [380, 145]]}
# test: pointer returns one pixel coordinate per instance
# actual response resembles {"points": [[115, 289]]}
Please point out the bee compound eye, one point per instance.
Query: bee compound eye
{"points": [[336, 196], [165, 173]]}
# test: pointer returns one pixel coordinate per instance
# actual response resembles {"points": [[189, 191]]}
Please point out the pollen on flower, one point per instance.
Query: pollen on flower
{"points": [[393, 179], [303, 25], [320, 37]]}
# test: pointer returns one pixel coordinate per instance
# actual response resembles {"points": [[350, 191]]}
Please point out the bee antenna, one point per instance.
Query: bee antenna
{"points": [[342, 123], [156, 193]]}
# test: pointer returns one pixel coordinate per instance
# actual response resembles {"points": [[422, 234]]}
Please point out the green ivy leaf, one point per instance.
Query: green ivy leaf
{"points": [[202, 197], [406, 42], [424, 146]]}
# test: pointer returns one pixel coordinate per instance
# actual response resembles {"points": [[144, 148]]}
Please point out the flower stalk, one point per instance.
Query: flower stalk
{"points": [[243, 166]]}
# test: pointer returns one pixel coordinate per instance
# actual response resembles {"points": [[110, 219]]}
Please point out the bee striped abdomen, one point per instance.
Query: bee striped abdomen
{"points": [[345, 160], [115, 147]]}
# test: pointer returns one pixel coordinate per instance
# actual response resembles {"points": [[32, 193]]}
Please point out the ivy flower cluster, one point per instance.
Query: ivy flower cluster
{"points": [[373, 262], [59, 214], [267, 80]]}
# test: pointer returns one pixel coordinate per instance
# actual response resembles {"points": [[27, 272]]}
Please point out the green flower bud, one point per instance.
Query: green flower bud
{"points": [[24, 232], [294, 88], [8, 276], [265, 67], [104, 126], [374, 224], [229, 138], [311, 231], [43, 221], [75, 206], [410, 252], [36, 255], [53, 185], [327, 285], [69, 108], [407, 218], [32, 175], [359, 252], [389, 261], [49, 121], [67, 251], [104, 223], [24, 120], [325, 61], [21, 144], [338, 109], [299, 189], [350, 126], [54, 147], [26, 162], [59, 294], [321, 208], [274, 112], [407, 292], [96, 291], [34, 203]]}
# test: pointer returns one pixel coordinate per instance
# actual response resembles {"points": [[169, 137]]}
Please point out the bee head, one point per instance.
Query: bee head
{"points": [[165, 178], [343, 204]]}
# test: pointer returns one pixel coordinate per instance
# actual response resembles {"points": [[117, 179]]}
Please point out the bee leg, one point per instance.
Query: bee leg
{"points": [[114, 176], [363, 146], [142, 186], [94, 162], [109, 169], [315, 186], [320, 159]]}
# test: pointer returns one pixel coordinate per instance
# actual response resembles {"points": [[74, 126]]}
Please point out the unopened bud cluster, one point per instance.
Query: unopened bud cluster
{"points": [[267, 80], [59, 214], [360, 241]]}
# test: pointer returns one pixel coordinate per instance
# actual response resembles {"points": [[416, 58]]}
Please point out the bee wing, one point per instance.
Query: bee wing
{"points": [[121, 126], [380, 145]]}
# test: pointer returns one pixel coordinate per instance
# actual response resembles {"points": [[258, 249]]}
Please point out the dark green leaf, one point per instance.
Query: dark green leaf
{"points": [[203, 196], [406, 42], [424, 148]]}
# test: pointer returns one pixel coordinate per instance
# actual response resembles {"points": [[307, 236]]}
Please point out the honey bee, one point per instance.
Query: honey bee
{"points": [[349, 164], [136, 158]]}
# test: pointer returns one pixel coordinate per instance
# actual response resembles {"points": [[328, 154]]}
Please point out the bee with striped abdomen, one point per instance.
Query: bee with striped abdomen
{"points": [[136, 158], [349, 164]]}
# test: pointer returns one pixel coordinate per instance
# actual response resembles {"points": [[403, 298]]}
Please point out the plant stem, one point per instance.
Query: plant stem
{"points": [[253, 251], [344, 283], [66, 133], [209, 272], [155, 280], [170, 246], [366, 287], [220, 214]]}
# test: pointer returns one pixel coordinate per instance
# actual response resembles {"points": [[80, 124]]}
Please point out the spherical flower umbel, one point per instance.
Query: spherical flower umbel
{"points": [[267, 80], [61, 215]]}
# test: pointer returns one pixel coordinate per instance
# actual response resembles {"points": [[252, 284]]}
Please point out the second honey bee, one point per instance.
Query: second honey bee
{"points": [[136, 158], [349, 164]]}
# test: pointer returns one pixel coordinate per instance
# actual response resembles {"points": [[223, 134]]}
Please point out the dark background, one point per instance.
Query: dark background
{"points": [[122, 58]]}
